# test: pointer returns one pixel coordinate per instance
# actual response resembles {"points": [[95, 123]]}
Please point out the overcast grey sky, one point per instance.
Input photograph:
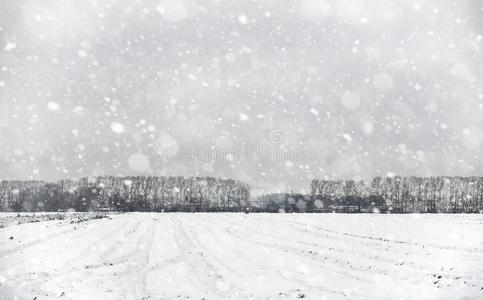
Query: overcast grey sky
{"points": [[271, 92]]}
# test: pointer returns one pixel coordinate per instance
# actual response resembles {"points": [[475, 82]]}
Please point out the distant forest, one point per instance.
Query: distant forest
{"points": [[396, 194], [140, 193], [438, 194], [150, 193]]}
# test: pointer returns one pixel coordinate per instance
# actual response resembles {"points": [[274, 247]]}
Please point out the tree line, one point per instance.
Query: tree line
{"points": [[437, 194], [130, 193]]}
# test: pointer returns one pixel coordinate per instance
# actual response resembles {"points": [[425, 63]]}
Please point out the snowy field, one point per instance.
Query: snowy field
{"points": [[17, 218], [239, 256]]}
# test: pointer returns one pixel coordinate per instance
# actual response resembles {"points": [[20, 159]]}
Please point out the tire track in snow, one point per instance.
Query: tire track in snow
{"points": [[34, 242], [139, 263], [342, 263], [261, 264], [416, 266], [210, 277], [62, 273], [110, 236], [279, 246], [377, 239], [426, 271]]}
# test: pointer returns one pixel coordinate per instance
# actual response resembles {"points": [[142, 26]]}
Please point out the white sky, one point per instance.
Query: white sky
{"points": [[271, 92]]}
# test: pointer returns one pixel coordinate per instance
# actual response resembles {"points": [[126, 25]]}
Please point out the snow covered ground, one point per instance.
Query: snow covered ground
{"points": [[239, 256], [14, 218]]}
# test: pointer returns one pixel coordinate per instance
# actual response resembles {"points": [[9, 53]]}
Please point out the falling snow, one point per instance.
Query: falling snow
{"points": [[270, 96]]}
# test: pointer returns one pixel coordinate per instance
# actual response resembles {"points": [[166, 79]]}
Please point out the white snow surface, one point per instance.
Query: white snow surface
{"points": [[245, 256]]}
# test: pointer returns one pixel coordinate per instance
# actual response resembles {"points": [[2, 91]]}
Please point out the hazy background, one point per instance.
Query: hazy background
{"points": [[271, 92]]}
